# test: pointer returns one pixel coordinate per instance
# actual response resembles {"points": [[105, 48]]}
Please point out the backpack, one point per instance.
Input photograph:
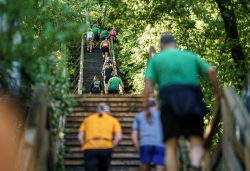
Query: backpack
{"points": [[96, 86], [113, 32]]}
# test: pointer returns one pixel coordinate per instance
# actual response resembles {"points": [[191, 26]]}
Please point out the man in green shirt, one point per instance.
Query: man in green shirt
{"points": [[115, 84], [176, 73], [96, 32], [104, 34]]}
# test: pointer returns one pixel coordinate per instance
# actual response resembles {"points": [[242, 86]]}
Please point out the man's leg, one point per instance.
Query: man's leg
{"points": [[91, 161], [105, 158], [91, 45], [145, 167], [196, 151], [106, 55], [159, 168], [171, 153], [106, 88], [88, 46]]}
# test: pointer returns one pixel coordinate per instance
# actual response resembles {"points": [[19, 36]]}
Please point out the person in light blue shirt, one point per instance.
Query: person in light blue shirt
{"points": [[147, 138]]}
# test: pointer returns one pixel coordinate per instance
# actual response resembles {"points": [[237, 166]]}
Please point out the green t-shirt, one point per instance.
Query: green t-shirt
{"points": [[114, 83], [175, 66], [96, 31], [104, 33]]}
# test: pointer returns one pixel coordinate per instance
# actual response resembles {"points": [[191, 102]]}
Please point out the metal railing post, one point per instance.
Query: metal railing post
{"points": [[80, 81]]}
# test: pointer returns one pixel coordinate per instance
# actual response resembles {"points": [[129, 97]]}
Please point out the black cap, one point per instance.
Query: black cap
{"points": [[167, 38]]}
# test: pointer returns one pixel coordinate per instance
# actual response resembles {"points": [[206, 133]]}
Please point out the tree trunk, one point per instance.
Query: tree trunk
{"points": [[229, 19]]}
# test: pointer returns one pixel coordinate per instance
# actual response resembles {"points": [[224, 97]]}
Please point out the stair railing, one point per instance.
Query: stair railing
{"points": [[34, 147], [113, 54], [234, 142], [80, 80]]}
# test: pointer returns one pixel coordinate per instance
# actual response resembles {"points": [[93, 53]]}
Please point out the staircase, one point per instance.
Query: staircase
{"points": [[92, 66], [124, 107]]}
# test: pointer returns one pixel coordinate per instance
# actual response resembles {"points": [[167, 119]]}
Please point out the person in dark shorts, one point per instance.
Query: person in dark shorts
{"points": [[105, 46], [115, 84], [107, 74], [176, 73], [99, 134], [96, 86], [148, 138]]}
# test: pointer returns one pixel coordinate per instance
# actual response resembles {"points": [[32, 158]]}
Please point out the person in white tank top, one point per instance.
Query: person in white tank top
{"points": [[90, 36]]}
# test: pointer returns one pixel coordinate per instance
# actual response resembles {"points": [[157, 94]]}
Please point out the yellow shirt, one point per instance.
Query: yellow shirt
{"points": [[98, 131]]}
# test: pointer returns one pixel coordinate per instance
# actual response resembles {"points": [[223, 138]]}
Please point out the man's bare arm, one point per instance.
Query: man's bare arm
{"points": [[147, 88], [134, 137], [117, 139], [212, 75], [81, 137]]}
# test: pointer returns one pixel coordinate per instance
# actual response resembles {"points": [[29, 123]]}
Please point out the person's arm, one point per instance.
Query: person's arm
{"points": [[117, 139], [81, 137], [121, 83], [206, 70], [212, 75], [101, 44], [150, 80], [134, 137], [117, 134], [108, 84], [147, 88]]}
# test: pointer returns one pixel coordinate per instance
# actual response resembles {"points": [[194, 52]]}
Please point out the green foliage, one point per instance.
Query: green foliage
{"points": [[197, 26], [34, 33]]}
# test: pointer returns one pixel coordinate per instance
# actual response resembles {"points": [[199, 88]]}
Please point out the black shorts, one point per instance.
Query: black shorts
{"points": [[113, 91], [106, 79], [105, 49], [96, 38], [97, 159], [175, 126]]}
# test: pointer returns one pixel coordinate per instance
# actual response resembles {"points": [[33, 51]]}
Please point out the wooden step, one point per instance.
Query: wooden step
{"points": [[113, 162], [81, 168], [87, 96], [113, 110], [115, 104], [80, 119], [108, 99], [119, 149], [77, 143], [119, 114], [120, 155], [74, 131]]}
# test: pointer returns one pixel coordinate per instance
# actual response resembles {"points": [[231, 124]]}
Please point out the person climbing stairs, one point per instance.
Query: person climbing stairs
{"points": [[124, 107]]}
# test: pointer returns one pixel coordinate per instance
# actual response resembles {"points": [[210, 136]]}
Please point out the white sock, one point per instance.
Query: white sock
{"points": [[196, 154]]}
